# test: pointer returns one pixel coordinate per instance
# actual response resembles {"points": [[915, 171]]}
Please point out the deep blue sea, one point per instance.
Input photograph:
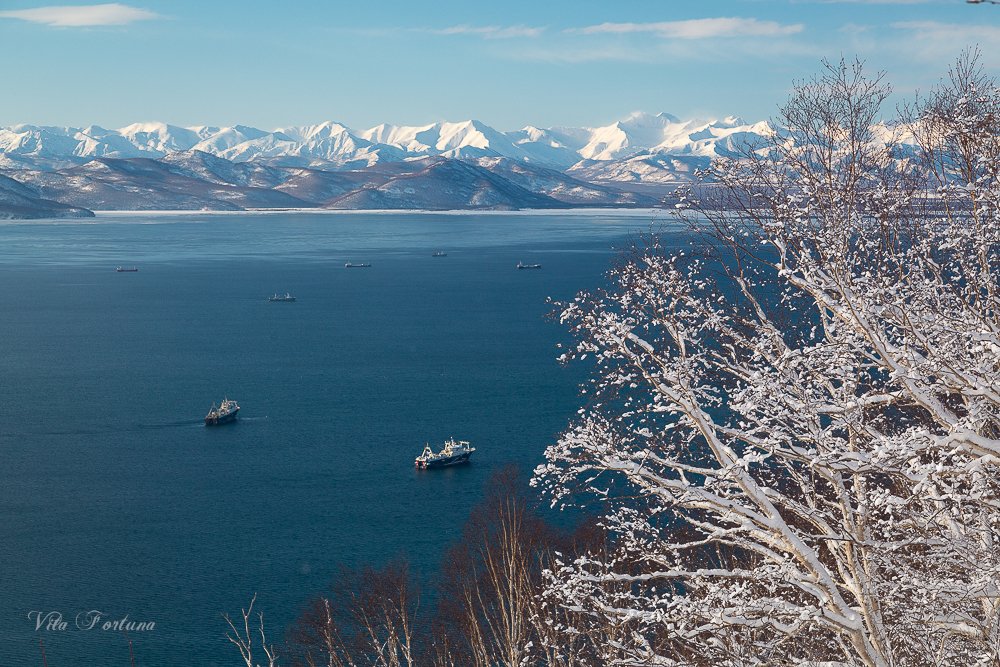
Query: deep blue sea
{"points": [[114, 496]]}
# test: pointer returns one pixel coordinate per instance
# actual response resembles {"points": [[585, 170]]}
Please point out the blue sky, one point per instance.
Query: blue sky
{"points": [[542, 62]]}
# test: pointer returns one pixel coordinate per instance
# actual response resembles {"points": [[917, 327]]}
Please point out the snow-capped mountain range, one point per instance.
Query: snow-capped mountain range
{"points": [[332, 145], [46, 171]]}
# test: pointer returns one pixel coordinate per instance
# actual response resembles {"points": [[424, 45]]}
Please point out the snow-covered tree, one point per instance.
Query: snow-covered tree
{"points": [[793, 427]]}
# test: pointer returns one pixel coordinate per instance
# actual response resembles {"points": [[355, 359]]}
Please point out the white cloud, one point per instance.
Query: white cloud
{"points": [[671, 52], [958, 33], [940, 43], [577, 56], [492, 32], [875, 2], [698, 28], [81, 15], [882, 2]]}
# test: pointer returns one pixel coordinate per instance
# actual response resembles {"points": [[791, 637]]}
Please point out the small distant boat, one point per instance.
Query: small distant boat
{"points": [[454, 453], [126, 269], [281, 297], [439, 253], [521, 265], [351, 265], [225, 413]]}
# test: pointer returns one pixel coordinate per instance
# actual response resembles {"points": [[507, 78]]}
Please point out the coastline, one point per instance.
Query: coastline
{"points": [[153, 217], [582, 212]]}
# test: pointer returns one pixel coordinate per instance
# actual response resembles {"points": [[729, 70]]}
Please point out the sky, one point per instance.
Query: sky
{"points": [[513, 63]]}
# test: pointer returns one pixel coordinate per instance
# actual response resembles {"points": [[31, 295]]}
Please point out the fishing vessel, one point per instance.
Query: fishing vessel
{"points": [[439, 253], [225, 413], [351, 265], [126, 269], [454, 453], [281, 297], [521, 265]]}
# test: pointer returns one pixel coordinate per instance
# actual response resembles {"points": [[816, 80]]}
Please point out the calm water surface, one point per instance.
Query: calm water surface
{"points": [[114, 496]]}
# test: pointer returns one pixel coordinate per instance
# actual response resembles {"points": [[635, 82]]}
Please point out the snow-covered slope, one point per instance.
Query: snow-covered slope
{"points": [[162, 138], [42, 141], [148, 184], [198, 180], [444, 184], [202, 165], [19, 202], [625, 137], [660, 168], [468, 139], [560, 186], [224, 139], [663, 133], [556, 147]]}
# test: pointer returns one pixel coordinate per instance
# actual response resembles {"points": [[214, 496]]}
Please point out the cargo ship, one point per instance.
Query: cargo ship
{"points": [[225, 413], [454, 453]]}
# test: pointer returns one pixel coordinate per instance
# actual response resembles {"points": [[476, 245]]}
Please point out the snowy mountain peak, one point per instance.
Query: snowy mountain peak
{"points": [[645, 118], [327, 128], [159, 137], [531, 132]]}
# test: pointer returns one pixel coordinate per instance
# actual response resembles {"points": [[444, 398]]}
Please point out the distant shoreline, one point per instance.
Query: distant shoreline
{"points": [[630, 212], [660, 215]]}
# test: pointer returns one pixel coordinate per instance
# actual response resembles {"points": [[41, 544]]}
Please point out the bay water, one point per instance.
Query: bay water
{"points": [[115, 498]]}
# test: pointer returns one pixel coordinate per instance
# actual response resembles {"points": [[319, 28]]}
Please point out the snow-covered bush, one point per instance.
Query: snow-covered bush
{"points": [[793, 428]]}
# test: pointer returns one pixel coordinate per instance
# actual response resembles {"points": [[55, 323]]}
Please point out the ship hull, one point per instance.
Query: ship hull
{"points": [[446, 462], [223, 419]]}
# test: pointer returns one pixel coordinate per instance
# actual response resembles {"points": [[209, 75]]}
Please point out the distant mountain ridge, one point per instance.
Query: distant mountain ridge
{"points": [[445, 165], [332, 145], [194, 180]]}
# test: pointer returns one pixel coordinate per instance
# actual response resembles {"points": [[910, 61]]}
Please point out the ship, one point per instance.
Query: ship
{"points": [[439, 253], [281, 297], [521, 265], [454, 453], [350, 265], [126, 269], [225, 413]]}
